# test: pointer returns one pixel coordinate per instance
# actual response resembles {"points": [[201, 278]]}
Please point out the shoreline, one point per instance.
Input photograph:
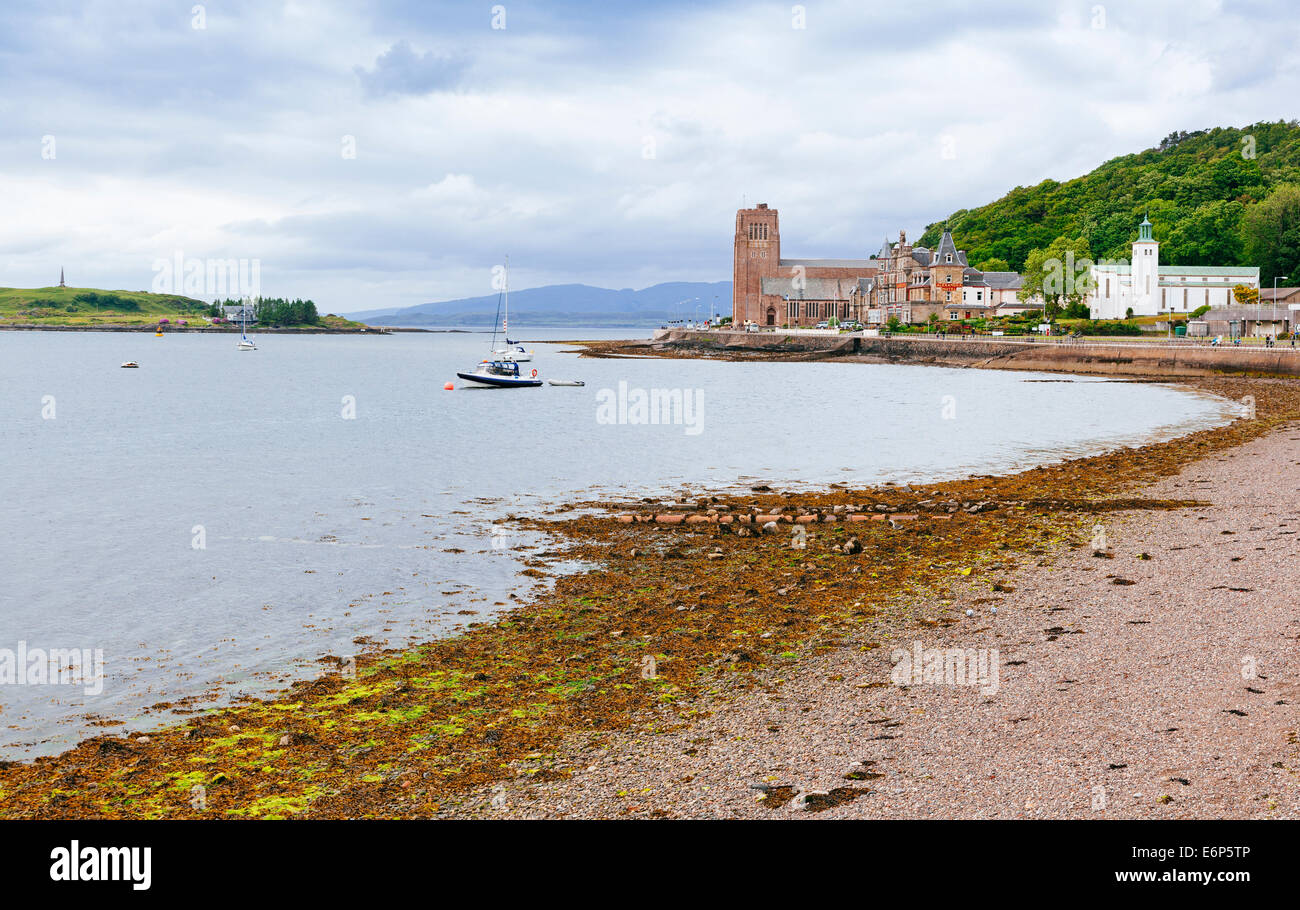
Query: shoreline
{"points": [[199, 330], [419, 731], [1083, 356]]}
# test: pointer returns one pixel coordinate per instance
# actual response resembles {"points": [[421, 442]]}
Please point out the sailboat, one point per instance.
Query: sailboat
{"points": [[245, 343], [502, 370], [513, 349]]}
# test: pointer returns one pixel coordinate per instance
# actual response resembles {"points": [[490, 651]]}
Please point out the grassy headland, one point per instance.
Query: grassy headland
{"points": [[57, 307], [92, 306]]}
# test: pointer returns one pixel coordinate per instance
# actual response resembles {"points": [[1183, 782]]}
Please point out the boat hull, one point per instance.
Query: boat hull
{"points": [[488, 381]]}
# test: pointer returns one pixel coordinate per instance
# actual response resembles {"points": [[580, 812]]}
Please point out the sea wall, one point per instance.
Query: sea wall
{"points": [[1118, 358]]}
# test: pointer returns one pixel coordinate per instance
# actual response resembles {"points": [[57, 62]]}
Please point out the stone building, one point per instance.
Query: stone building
{"points": [[770, 291], [916, 283], [902, 281]]}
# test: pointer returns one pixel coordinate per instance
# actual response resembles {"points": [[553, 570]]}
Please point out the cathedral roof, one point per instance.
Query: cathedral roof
{"points": [[831, 263], [812, 288]]}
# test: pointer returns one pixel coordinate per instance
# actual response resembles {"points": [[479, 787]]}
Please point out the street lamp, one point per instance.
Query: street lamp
{"points": [[1275, 278], [679, 303]]}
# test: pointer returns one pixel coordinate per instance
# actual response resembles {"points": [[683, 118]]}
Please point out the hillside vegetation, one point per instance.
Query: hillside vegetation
{"points": [[72, 306], [1222, 196], [94, 307]]}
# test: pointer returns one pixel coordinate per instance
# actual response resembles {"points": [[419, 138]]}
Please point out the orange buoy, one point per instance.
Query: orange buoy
{"points": [[449, 386]]}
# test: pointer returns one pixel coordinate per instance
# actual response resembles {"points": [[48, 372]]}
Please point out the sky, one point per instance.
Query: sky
{"points": [[374, 155]]}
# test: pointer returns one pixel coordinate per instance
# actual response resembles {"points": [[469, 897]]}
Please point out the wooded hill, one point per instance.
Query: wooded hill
{"points": [[1215, 197]]}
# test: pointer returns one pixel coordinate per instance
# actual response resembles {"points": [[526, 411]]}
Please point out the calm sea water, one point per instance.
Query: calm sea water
{"points": [[217, 521]]}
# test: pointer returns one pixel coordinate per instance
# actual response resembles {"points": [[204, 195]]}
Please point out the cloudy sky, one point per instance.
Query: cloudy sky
{"points": [[390, 153]]}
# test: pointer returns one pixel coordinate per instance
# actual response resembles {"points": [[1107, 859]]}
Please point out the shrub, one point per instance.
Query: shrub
{"points": [[1110, 327]]}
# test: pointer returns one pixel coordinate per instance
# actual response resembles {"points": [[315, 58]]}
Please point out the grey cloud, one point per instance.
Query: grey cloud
{"points": [[402, 71]]}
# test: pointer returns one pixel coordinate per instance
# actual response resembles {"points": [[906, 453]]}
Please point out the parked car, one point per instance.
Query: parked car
{"points": [[823, 325]]}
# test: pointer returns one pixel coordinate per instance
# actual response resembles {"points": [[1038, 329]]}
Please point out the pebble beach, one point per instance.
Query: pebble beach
{"points": [[1154, 677]]}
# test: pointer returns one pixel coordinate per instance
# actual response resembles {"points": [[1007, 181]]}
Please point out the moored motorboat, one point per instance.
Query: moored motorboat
{"points": [[502, 370], [500, 374], [130, 365]]}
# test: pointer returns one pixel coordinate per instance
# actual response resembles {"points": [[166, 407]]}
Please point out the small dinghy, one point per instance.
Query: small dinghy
{"points": [[566, 382], [130, 365]]}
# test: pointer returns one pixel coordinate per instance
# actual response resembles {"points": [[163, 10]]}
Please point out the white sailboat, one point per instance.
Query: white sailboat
{"points": [[513, 350], [245, 343]]}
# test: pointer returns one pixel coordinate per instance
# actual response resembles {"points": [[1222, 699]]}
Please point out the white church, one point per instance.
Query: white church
{"points": [[1152, 289]]}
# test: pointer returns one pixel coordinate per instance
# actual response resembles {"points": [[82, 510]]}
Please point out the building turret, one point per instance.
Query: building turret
{"points": [[1145, 271]]}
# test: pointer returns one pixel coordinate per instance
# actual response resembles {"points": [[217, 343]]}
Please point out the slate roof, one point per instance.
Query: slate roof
{"points": [[832, 263], [1003, 280], [813, 288], [948, 248], [1189, 270], [1282, 293]]}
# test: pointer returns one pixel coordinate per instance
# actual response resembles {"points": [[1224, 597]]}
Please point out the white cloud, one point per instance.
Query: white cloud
{"points": [[473, 142]]}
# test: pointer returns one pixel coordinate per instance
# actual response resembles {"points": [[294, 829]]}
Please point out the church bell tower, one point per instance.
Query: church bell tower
{"points": [[1146, 271]]}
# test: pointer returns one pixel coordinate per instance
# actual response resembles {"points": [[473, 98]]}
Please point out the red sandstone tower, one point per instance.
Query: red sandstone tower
{"points": [[757, 256]]}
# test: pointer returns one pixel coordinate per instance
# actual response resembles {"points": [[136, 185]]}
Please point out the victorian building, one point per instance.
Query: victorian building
{"points": [[910, 283]]}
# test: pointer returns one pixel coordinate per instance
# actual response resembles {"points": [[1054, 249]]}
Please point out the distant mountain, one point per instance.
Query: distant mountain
{"points": [[568, 304], [1220, 196]]}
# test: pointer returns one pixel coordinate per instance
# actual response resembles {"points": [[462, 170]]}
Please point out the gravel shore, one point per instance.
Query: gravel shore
{"points": [[1154, 678]]}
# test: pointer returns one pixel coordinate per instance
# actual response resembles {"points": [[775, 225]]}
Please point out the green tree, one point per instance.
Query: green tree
{"points": [[1196, 186], [994, 265], [1271, 233], [1061, 274]]}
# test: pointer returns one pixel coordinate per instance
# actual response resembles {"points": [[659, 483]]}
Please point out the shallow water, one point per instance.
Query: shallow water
{"points": [[217, 521]]}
